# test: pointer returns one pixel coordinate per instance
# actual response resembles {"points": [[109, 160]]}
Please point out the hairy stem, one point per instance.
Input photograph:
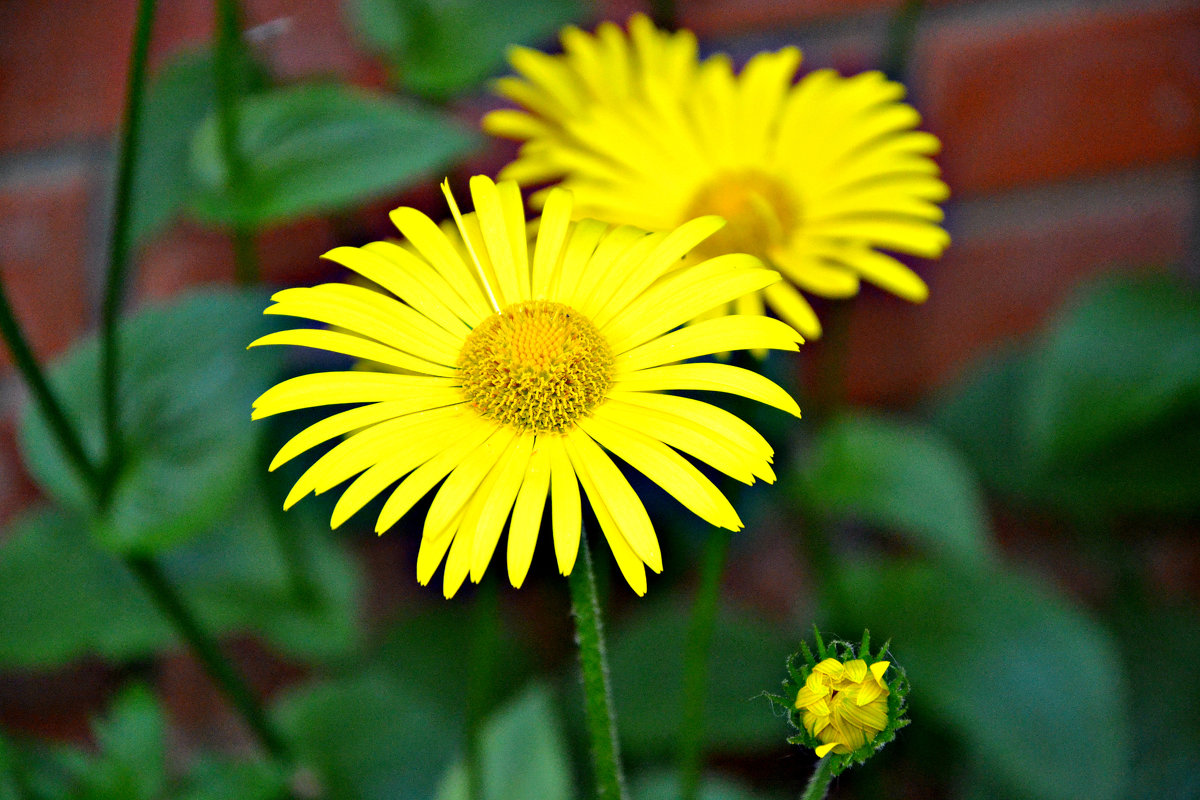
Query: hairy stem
{"points": [[818, 784], [601, 720]]}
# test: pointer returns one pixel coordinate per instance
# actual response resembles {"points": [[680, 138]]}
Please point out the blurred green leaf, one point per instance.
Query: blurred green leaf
{"points": [[133, 750], [1162, 647], [373, 735], [1123, 355], [984, 416], [1102, 417], [177, 100], [220, 779], [901, 477], [427, 646], [237, 578], [746, 658], [662, 785], [1027, 679], [314, 149], [62, 598], [440, 48], [523, 754], [9, 782], [186, 385]]}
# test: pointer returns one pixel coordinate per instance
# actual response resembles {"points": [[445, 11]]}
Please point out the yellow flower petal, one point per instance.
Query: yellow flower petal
{"points": [[709, 377], [607, 487], [355, 347], [712, 336], [510, 473], [666, 468], [566, 514], [527, 513]]}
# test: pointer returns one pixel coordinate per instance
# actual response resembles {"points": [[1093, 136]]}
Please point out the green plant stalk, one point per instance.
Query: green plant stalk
{"points": [[246, 271], [696, 662], [296, 560], [482, 680], [818, 784], [829, 395], [601, 719], [204, 647], [664, 14], [901, 33], [68, 438], [119, 248], [228, 56]]}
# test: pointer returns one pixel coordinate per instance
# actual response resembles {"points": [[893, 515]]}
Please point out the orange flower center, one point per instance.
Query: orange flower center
{"points": [[759, 212], [537, 366]]}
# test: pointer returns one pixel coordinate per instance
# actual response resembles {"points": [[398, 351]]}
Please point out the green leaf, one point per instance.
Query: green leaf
{"points": [[220, 779], [645, 658], [62, 598], [132, 741], [984, 416], [660, 785], [523, 754], [373, 735], [177, 100], [1167, 723], [237, 577], [1102, 417], [315, 149], [1024, 677], [1113, 409], [440, 48], [9, 782], [186, 385], [1123, 355], [902, 477], [426, 648]]}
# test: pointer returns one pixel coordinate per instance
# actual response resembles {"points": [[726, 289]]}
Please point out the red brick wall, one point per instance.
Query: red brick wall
{"points": [[1071, 131]]}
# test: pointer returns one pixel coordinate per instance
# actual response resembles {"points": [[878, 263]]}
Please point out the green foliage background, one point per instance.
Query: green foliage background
{"points": [[1091, 427]]}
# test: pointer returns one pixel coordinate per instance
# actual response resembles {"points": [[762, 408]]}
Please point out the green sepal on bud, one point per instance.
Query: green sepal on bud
{"points": [[845, 703]]}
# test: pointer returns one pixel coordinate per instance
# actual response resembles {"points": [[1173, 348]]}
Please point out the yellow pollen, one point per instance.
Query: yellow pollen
{"points": [[759, 213], [537, 366]]}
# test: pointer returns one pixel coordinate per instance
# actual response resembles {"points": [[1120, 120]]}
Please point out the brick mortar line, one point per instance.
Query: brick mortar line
{"points": [[1102, 195], [986, 16]]}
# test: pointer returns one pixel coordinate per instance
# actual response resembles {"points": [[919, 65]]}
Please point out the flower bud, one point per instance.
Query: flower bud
{"points": [[844, 702]]}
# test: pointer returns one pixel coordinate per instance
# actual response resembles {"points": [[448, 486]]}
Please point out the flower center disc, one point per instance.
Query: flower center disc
{"points": [[537, 366], [759, 213]]}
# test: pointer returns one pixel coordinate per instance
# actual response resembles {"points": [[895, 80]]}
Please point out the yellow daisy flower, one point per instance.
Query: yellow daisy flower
{"points": [[844, 705], [817, 177], [520, 365]]}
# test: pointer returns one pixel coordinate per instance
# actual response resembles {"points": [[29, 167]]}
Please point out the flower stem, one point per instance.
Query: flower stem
{"points": [[66, 434], [150, 574], [696, 661], [120, 246], [229, 57], [902, 31], [297, 559], [481, 682], [818, 784], [601, 720], [664, 15]]}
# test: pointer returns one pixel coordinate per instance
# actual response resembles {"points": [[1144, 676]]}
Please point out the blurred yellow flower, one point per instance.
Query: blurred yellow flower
{"points": [[816, 177], [519, 364], [844, 705]]}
